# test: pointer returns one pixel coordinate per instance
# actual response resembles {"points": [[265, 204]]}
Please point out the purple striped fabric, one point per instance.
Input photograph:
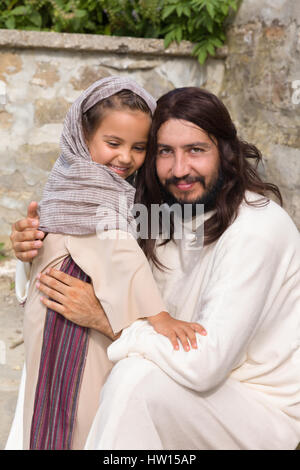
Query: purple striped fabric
{"points": [[62, 363]]}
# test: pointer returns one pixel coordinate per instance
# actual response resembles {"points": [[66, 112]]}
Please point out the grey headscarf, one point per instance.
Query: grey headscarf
{"points": [[80, 195]]}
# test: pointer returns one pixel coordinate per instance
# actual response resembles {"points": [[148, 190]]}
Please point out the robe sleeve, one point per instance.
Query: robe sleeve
{"points": [[121, 276], [22, 278], [243, 282]]}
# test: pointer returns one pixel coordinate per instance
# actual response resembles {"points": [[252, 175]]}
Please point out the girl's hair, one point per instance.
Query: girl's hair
{"points": [[92, 118], [206, 111]]}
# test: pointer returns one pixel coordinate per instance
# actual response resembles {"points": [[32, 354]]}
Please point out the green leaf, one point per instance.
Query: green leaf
{"points": [[187, 11], [36, 18], [209, 25], [211, 49], [20, 10], [178, 34], [216, 42], [167, 11], [10, 23], [210, 9], [233, 4], [169, 38], [179, 10], [80, 13], [107, 30], [225, 9], [202, 56]]}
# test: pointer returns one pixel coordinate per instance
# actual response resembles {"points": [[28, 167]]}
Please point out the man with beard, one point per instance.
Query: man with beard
{"points": [[240, 389]]}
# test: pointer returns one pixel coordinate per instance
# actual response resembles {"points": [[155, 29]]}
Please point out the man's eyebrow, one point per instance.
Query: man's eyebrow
{"points": [[197, 144], [164, 145], [192, 144]]}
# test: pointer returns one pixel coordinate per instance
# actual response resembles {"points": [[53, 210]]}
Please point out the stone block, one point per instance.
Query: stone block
{"points": [[50, 111], [6, 120], [284, 163], [87, 76], [46, 74], [10, 63]]}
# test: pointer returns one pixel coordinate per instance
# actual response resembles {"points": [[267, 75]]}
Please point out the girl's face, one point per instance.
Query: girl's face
{"points": [[120, 141]]}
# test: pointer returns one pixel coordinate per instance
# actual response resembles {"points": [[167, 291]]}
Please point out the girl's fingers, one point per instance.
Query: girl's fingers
{"points": [[190, 333], [53, 294], [172, 337], [181, 334], [199, 328]]}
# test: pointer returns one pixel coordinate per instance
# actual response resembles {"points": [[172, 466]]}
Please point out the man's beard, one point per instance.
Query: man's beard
{"points": [[208, 199]]}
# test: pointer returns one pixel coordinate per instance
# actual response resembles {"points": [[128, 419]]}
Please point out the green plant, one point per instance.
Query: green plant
{"points": [[138, 18], [199, 21], [2, 252], [72, 16]]}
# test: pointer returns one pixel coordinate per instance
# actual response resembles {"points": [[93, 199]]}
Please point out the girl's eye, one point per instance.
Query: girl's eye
{"points": [[139, 149], [113, 144]]}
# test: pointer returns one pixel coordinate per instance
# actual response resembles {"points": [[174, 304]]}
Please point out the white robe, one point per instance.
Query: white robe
{"points": [[241, 388]]}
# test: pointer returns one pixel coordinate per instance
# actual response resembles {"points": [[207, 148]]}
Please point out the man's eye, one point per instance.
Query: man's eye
{"points": [[164, 152], [196, 150]]}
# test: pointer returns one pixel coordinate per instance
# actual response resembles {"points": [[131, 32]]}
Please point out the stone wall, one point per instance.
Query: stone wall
{"points": [[43, 73], [262, 67]]}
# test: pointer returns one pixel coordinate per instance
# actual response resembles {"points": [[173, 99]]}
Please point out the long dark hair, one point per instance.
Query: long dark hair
{"points": [[238, 160]]}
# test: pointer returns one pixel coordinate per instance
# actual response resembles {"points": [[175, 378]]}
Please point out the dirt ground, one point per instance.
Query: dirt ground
{"points": [[11, 347]]}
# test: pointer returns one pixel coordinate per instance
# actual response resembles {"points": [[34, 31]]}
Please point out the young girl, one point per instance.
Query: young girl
{"points": [[103, 144]]}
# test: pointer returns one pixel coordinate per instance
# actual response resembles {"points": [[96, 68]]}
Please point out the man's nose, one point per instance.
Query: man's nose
{"points": [[180, 166]]}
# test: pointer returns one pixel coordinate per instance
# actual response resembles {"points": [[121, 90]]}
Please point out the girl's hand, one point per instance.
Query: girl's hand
{"points": [[168, 326], [26, 240]]}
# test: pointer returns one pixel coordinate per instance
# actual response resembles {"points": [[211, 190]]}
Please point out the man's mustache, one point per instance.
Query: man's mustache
{"points": [[186, 180]]}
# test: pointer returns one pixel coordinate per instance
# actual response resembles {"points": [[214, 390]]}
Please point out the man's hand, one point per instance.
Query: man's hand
{"points": [[75, 300], [26, 240]]}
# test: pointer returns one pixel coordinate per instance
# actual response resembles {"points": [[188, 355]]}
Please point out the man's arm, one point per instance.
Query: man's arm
{"points": [[25, 237], [231, 309], [76, 301], [80, 304]]}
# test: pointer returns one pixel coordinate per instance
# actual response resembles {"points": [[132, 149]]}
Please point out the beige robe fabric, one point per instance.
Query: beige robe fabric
{"points": [[241, 388], [123, 282]]}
